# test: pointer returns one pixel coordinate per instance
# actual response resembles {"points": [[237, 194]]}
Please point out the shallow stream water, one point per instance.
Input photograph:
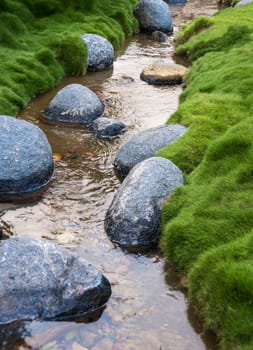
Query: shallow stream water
{"points": [[148, 308]]}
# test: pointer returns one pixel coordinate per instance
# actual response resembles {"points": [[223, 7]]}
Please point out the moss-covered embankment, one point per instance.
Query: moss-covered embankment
{"points": [[208, 224], [40, 42]]}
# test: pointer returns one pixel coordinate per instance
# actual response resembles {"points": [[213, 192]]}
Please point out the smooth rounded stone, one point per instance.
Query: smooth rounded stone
{"points": [[107, 127], [26, 162], [243, 3], [144, 145], [100, 52], [75, 104], [133, 219], [175, 1], [39, 280], [157, 35], [163, 73], [154, 15]]}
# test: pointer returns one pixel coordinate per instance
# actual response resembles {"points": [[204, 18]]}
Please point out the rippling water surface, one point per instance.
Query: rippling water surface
{"points": [[147, 310]]}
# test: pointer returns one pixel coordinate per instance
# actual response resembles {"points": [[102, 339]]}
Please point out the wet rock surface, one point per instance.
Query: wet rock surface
{"points": [[243, 3], [74, 104], [133, 219], [39, 280], [100, 52], [159, 36], [26, 163], [107, 128], [144, 145], [154, 15], [163, 73]]}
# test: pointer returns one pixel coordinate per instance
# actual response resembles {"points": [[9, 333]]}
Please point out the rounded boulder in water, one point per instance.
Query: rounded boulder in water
{"points": [[154, 15], [100, 52], [26, 163], [74, 104]]}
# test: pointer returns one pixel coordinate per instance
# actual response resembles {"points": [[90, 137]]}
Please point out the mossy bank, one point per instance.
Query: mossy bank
{"points": [[207, 228], [40, 42]]}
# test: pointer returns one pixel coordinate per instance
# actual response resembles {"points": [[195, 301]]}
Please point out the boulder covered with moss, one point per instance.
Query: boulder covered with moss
{"points": [[154, 15], [39, 280], [74, 104], [26, 163], [133, 219], [100, 52], [144, 145]]}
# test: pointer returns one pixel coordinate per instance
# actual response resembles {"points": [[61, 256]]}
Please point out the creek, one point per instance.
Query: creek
{"points": [[148, 308]]}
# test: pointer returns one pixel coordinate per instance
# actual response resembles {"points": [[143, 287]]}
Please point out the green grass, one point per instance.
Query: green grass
{"points": [[40, 42], [211, 216]]}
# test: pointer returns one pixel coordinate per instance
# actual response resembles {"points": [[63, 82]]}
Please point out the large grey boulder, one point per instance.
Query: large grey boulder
{"points": [[26, 163], [144, 145], [154, 15], [74, 104], [107, 128], [243, 3], [100, 52], [39, 280], [133, 219]]}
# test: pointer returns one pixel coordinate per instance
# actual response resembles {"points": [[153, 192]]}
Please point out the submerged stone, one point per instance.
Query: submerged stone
{"points": [[100, 52], [74, 104], [163, 73], [154, 15], [144, 145], [39, 280], [26, 163], [133, 219], [107, 127], [157, 35]]}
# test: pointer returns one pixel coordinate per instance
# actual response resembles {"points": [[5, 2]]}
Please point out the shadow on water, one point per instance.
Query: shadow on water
{"points": [[148, 307]]}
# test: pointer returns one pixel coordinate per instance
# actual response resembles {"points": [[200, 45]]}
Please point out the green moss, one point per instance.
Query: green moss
{"points": [[40, 42], [209, 220]]}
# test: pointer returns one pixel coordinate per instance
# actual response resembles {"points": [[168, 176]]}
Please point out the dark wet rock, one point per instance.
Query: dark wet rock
{"points": [[133, 219], [159, 36], [163, 73], [243, 3], [39, 280], [107, 127], [154, 15], [74, 104], [175, 1], [26, 163], [144, 145], [100, 52]]}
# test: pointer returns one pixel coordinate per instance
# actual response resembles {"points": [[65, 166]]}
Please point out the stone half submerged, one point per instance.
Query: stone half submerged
{"points": [[133, 219], [74, 104], [163, 73], [26, 163], [39, 280], [100, 52]]}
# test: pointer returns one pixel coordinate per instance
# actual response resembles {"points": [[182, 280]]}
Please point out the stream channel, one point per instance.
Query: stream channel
{"points": [[148, 308]]}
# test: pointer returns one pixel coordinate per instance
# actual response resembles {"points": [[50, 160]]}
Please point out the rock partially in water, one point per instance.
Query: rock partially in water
{"points": [[133, 219], [144, 145], [39, 280], [107, 128], [154, 15], [157, 35], [175, 1], [26, 163], [100, 52], [243, 3], [163, 73], [75, 104]]}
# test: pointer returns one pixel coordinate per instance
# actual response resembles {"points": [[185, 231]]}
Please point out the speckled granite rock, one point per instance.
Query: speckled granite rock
{"points": [[100, 52], [144, 145], [154, 15], [74, 104], [39, 280], [163, 73], [133, 219], [107, 128], [26, 163], [243, 3]]}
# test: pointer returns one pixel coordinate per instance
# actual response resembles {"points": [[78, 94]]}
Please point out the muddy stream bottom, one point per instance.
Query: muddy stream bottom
{"points": [[147, 309]]}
